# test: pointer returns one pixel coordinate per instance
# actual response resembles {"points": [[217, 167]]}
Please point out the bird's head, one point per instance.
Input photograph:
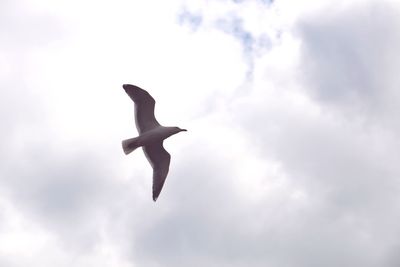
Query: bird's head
{"points": [[180, 130], [175, 130]]}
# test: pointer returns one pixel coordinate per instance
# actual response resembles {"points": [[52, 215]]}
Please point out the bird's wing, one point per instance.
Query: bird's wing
{"points": [[144, 108], [159, 159]]}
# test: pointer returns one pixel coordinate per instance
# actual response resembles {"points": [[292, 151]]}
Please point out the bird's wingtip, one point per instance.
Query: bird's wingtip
{"points": [[155, 195]]}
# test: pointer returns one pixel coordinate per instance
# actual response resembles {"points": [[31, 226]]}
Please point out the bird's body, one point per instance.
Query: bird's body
{"points": [[151, 136]]}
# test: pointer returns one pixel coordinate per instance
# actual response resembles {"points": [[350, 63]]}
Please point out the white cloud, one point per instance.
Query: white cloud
{"points": [[296, 166]]}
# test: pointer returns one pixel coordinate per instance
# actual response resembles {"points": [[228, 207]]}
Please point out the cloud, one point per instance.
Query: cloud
{"points": [[296, 168], [347, 56], [322, 132]]}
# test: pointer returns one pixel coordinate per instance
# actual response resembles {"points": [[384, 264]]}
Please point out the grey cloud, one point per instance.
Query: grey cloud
{"points": [[345, 162], [348, 57], [5, 262], [352, 193], [23, 30], [64, 192], [205, 221], [200, 222], [347, 168], [230, 233]]}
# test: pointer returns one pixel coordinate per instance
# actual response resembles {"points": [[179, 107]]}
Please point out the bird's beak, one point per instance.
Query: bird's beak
{"points": [[183, 130]]}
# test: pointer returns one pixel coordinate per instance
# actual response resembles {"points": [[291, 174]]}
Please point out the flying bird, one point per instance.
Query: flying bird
{"points": [[151, 136]]}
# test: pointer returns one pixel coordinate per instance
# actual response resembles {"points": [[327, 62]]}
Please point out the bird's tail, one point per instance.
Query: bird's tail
{"points": [[130, 145]]}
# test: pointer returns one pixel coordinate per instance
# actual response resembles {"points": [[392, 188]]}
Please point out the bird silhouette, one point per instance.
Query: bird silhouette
{"points": [[151, 136]]}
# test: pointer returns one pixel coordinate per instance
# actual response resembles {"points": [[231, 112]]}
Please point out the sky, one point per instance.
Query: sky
{"points": [[291, 155]]}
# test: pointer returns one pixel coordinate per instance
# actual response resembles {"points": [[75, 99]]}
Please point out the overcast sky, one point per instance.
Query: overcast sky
{"points": [[292, 154]]}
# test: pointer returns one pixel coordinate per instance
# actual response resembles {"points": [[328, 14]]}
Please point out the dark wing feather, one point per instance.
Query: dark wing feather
{"points": [[159, 159], [144, 108]]}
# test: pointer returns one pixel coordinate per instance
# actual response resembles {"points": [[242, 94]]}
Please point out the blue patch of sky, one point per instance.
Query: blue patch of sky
{"points": [[267, 2], [263, 43], [252, 45], [234, 26], [193, 20]]}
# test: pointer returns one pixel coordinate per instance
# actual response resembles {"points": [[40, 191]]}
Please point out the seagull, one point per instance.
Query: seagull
{"points": [[151, 136]]}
